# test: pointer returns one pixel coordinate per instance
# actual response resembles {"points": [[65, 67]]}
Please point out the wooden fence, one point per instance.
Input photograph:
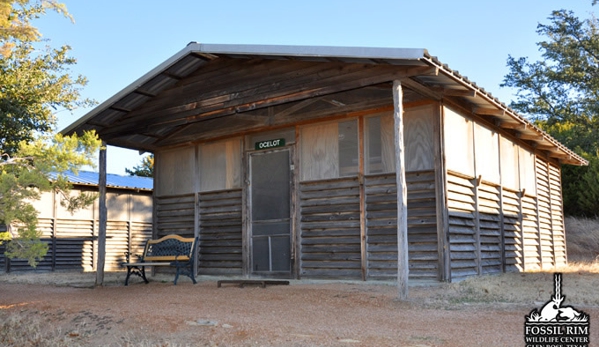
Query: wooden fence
{"points": [[72, 244]]}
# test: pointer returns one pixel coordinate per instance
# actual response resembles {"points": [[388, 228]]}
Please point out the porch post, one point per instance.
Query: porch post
{"points": [[103, 216], [402, 194]]}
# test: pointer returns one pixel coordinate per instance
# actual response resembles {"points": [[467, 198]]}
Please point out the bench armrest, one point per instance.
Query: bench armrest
{"points": [[129, 254]]}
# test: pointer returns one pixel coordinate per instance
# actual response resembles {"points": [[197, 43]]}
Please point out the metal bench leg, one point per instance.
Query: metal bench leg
{"points": [[143, 274], [138, 271], [128, 274], [186, 270], [193, 278], [176, 276]]}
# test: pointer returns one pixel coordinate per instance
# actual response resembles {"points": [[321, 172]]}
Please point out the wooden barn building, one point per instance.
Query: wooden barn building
{"points": [[72, 237], [285, 162]]}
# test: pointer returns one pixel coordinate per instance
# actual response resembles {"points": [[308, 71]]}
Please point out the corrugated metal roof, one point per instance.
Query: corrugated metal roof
{"points": [[89, 178], [108, 114]]}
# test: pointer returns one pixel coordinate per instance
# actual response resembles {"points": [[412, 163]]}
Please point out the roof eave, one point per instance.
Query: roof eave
{"points": [[272, 50]]}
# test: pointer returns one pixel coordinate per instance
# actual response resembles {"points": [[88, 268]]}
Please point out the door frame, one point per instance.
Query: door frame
{"points": [[247, 214]]}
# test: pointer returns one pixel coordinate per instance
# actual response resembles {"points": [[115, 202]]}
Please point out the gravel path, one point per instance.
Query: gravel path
{"points": [[300, 314]]}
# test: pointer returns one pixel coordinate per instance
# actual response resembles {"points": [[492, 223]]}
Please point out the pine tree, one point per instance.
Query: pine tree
{"points": [[34, 83]]}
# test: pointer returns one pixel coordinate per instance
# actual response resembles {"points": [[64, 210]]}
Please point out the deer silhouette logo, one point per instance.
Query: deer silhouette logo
{"points": [[553, 311]]}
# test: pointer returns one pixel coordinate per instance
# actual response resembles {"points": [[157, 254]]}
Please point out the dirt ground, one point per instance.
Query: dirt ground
{"points": [[304, 313]]}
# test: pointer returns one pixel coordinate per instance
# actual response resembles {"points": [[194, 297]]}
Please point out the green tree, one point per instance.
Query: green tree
{"points": [[560, 93], [35, 82], [145, 169], [16, 17], [24, 176]]}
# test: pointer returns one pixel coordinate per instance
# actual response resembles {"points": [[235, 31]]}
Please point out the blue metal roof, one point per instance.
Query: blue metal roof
{"points": [[89, 178]]}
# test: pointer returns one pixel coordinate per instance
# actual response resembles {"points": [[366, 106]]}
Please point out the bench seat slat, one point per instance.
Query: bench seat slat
{"points": [[146, 264], [166, 258]]}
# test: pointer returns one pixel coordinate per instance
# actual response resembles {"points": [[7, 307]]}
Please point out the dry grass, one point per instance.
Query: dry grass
{"points": [[26, 328], [579, 285], [582, 238], [579, 276]]}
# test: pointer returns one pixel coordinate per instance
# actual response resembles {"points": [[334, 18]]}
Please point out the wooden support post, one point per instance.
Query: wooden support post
{"points": [[402, 194], [103, 214], [363, 250], [246, 266], [196, 212], [440, 190], [54, 229], [521, 232]]}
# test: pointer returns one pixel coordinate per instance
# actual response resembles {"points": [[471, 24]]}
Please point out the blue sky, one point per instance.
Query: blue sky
{"points": [[117, 41]]}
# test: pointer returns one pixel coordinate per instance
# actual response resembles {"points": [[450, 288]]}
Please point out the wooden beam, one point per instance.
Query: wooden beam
{"points": [[559, 155], [533, 137], [510, 125], [402, 194], [103, 217], [144, 93], [422, 71], [120, 109], [300, 105], [488, 111], [421, 89], [543, 147], [455, 92]]}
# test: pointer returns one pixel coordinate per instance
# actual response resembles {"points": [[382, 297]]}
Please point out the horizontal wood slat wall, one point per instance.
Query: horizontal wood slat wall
{"points": [[220, 232], [533, 230], [530, 233], [545, 218], [489, 214], [175, 215], [330, 228], [46, 226], [72, 244], [464, 251], [557, 217], [3, 262], [513, 243], [139, 234], [116, 245], [381, 225]]}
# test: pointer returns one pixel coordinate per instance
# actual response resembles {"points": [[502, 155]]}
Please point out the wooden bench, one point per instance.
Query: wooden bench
{"points": [[170, 250]]}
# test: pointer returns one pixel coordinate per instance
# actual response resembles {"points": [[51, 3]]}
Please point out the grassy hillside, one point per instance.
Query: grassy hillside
{"points": [[582, 240]]}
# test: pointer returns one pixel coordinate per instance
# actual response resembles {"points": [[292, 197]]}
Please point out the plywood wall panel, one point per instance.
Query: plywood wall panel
{"points": [[510, 174], [387, 143], [176, 171], [118, 206], [319, 151], [418, 139], [487, 153], [459, 143]]}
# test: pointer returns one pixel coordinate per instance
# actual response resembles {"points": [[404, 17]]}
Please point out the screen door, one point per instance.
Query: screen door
{"points": [[270, 212]]}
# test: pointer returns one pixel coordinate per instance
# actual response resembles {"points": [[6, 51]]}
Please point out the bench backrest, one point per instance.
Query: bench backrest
{"points": [[169, 248]]}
